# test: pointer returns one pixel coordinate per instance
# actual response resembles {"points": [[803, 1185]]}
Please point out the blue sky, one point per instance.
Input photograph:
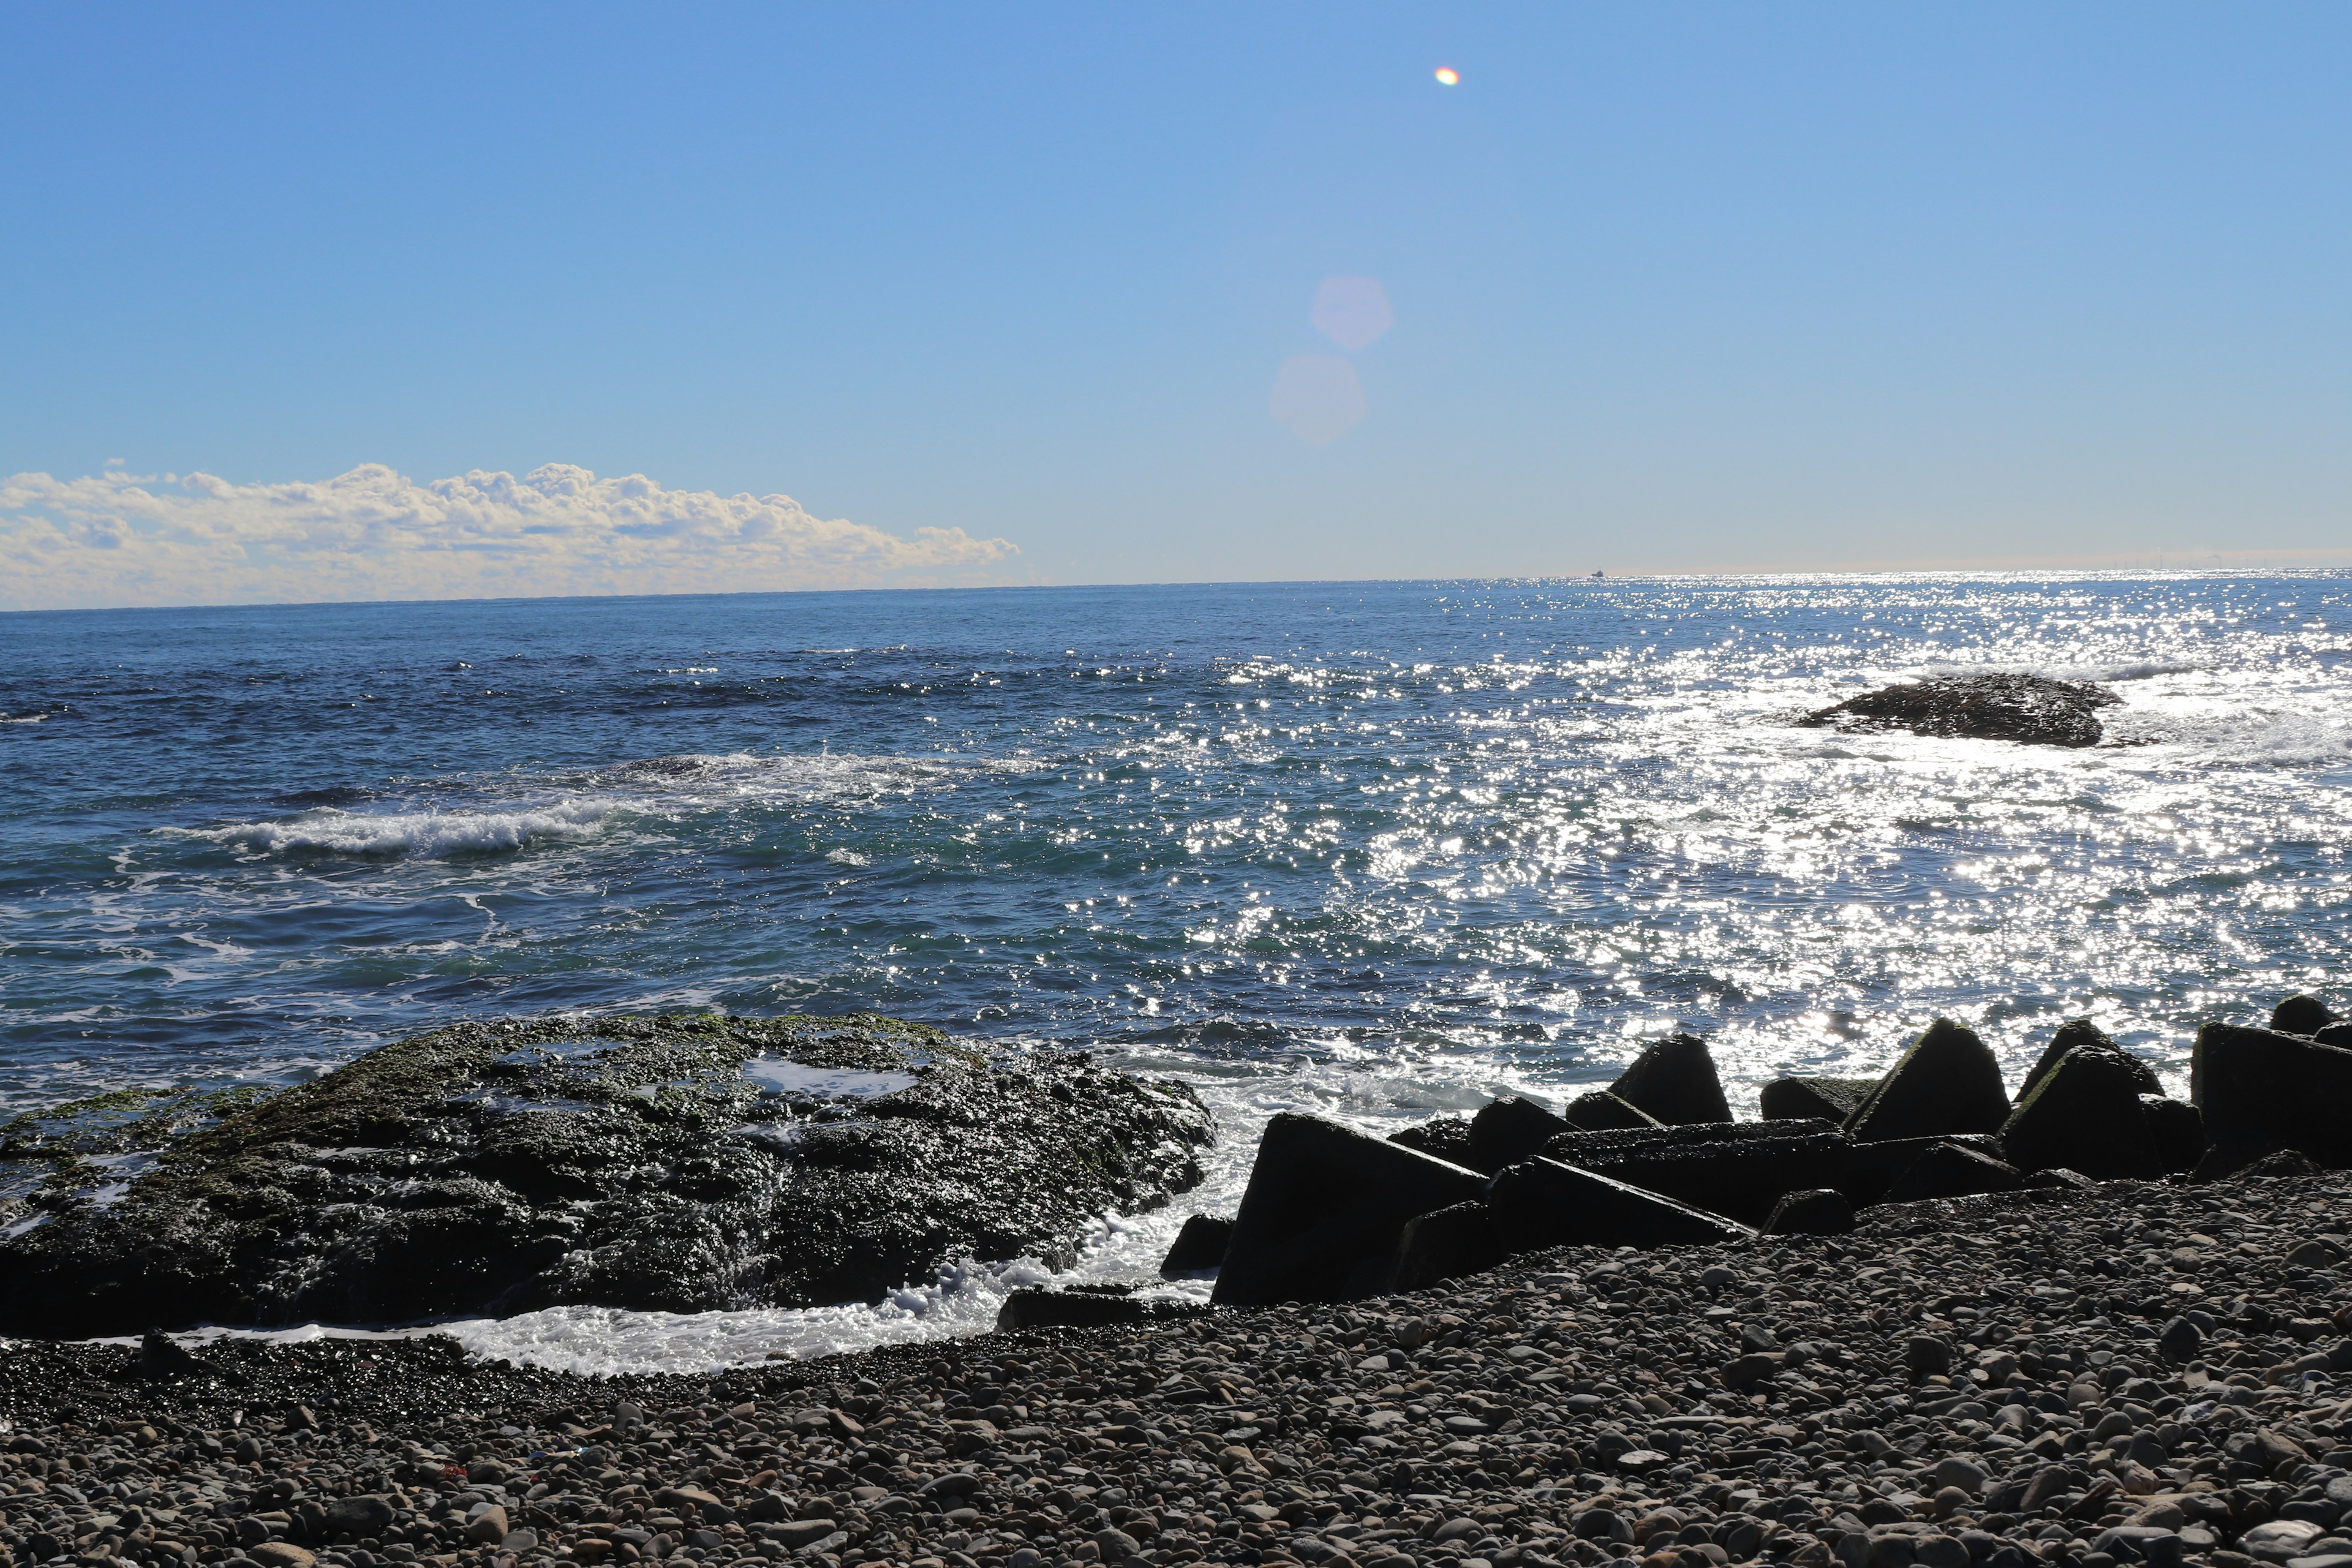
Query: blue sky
{"points": [[1672, 286]]}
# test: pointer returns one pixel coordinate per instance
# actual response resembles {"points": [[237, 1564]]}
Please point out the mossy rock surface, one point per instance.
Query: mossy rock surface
{"points": [[681, 1162]]}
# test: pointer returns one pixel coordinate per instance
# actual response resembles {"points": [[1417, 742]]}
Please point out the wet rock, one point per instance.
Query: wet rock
{"points": [[1446, 1244], [1736, 1169], [1674, 1080], [495, 1168], [1598, 1111], [2301, 1014], [1324, 1210], [1510, 1130], [2029, 709], [1543, 1202], [1947, 1169], [1820, 1211], [1810, 1099], [2083, 1032], [2085, 1113], [1200, 1244], [1947, 1082], [2263, 1087]]}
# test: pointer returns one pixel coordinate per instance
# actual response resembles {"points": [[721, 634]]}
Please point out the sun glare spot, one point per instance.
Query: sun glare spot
{"points": [[1447, 76]]}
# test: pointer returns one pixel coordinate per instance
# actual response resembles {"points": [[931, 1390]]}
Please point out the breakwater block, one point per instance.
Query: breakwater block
{"points": [[1446, 1244], [1510, 1130], [2085, 1112], [1325, 1208], [1040, 1308], [1821, 1210], [1952, 1171], [2257, 1085], [1543, 1202], [1199, 1244], [1947, 1082], [1809, 1098], [1602, 1111], [1736, 1169], [1674, 1080]]}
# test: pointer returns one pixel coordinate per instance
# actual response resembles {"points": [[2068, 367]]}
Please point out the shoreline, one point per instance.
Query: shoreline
{"points": [[1952, 1382]]}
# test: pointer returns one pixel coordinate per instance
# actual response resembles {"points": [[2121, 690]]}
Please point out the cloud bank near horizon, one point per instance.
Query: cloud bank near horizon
{"points": [[120, 539]]}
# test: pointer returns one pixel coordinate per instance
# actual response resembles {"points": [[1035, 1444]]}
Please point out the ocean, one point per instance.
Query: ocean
{"points": [[1376, 850]]}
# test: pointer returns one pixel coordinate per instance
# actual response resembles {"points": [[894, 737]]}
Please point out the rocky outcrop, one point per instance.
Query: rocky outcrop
{"points": [[2031, 709], [677, 1162]]}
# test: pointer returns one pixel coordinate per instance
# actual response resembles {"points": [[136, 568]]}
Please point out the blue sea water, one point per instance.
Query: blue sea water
{"points": [[1378, 849]]}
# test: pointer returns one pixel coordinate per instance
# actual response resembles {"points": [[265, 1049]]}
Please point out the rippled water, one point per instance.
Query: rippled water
{"points": [[1376, 848]]}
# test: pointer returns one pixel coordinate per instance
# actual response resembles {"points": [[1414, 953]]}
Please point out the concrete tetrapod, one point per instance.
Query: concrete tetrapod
{"points": [[1324, 1210], [1543, 1202]]}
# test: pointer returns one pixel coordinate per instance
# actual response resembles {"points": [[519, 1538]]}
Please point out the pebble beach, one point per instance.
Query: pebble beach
{"points": [[2131, 1371]]}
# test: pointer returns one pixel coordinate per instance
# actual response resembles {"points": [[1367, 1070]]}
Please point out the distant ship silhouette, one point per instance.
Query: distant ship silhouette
{"points": [[1599, 575]]}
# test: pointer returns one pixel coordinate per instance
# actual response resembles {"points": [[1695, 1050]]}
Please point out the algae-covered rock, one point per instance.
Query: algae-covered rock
{"points": [[676, 1162], [2031, 709]]}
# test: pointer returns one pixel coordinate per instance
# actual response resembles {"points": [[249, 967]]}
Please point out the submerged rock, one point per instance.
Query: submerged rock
{"points": [[676, 1162], [2031, 709]]}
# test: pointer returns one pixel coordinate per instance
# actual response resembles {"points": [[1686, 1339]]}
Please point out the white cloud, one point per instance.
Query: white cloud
{"points": [[120, 539]]}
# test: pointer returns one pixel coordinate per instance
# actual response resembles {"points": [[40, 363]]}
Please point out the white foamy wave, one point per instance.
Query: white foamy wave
{"points": [[421, 833]]}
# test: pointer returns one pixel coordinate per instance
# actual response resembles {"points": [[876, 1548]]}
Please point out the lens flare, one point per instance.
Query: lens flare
{"points": [[1447, 76]]}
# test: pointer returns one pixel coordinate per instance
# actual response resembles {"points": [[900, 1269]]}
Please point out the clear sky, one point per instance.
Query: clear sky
{"points": [[1663, 287]]}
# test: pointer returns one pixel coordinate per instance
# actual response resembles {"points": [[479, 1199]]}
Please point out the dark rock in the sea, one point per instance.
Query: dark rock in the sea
{"points": [[2301, 1014], [1444, 1138], [1736, 1169], [1543, 1202], [1948, 1170], [1080, 1309], [1947, 1082], [1812, 1098], [2177, 1130], [1598, 1111], [1510, 1130], [2027, 707], [1820, 1211], [681, 1162], [1674, 1080], [2262, 1086], [1200, 1244], [2337, 1035], [1324, 1209], [2082, 1032], [2087, 1113], [1446, 1244], [1870, 1168]]}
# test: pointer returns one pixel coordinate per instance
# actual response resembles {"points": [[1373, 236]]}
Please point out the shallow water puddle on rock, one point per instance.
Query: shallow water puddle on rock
{"points": [[775, 1075]]}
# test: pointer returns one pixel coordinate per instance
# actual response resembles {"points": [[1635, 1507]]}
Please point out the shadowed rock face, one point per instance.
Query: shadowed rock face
{"points": [[676, 1162], [2025, 707]]}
